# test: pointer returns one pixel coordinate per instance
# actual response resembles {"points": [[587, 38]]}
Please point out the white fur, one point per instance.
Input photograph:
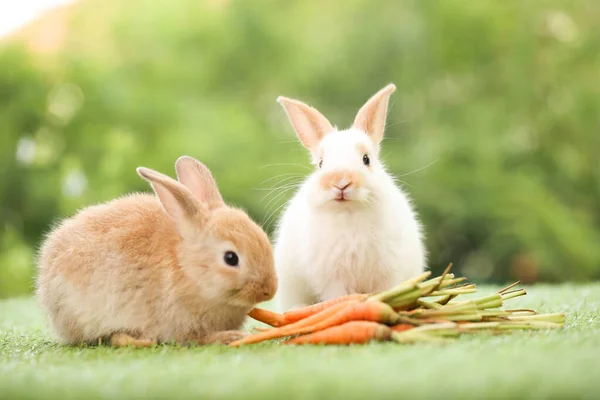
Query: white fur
{"points": [[325, 249]]}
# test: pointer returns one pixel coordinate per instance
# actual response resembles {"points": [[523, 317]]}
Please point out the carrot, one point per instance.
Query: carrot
{"points": [[274, 333], [301, 313], [362, 311], [353, 332], [266, 316], [277, 320], [313, 319], [402, 327]]}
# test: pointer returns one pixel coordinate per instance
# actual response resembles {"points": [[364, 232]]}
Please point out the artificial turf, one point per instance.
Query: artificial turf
{"points": [[533, 365]]}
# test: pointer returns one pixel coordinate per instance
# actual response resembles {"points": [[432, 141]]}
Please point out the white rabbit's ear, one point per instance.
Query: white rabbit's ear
{"points": [[197, 178], [310, 125], [371, 117], [175, 198]]}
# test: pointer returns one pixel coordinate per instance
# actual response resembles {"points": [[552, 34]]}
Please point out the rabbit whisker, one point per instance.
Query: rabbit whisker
{"points": [[279, 176], [275, 190], [404, 182], [281, 193], [396, 123], [422, 168], [281, 184], [270, 218]]}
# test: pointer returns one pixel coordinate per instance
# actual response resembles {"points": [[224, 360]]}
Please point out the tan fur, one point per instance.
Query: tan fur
{"points": [[331, 179], [199, 180], [124, 340], [128, 268]]}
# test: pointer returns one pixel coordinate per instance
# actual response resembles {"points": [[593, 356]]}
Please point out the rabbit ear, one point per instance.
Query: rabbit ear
{"points": [[371, 117], [175, 198], [198, 179], [310, 125]]}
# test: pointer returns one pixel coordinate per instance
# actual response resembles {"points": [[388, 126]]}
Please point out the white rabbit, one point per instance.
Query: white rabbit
{"points": [[349, 228]]}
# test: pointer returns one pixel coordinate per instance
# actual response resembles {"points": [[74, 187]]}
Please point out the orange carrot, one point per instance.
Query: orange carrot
{"points": [[301, 313], [290, 317], [266, 316], [268, 333], [362, 311], [402, 327], [353, 332], [313, 319], [277, 320]]}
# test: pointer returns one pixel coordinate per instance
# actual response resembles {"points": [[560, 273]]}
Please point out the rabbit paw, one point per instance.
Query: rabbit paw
{"points": [[226, 337], [123, 340]]}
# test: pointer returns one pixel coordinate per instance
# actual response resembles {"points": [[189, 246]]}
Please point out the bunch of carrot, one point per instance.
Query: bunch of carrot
{"points": [[419, 309]]}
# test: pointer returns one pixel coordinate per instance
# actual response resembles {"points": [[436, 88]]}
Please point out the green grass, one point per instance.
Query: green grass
{"points": [[558, 364]]}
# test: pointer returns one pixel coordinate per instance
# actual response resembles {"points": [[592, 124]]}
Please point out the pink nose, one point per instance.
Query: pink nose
{"points": [[342, 184]]}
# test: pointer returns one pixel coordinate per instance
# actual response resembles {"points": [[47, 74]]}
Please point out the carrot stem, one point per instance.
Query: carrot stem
{"points": [[445, 300], [513, 294], [454, 291], [451, 281], [423, 333], [490, 304], [396, 291], [478, 325], [429, 305], [508, 287], [406, 300], [522, 311], [554, 318], [529, 325], [442, 278]]}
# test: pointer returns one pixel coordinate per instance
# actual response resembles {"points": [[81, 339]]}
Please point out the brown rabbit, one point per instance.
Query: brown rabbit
{"points": [[181, 266]]}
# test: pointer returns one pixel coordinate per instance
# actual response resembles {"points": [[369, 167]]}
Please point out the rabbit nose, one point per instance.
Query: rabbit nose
{"points": [[269, 289], [341, 179], [342, 184], [265, 296]]}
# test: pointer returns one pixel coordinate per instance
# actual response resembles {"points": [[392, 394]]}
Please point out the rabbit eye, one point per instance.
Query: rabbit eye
{"points": [[231, 259], [321, 163], [366, 160]]}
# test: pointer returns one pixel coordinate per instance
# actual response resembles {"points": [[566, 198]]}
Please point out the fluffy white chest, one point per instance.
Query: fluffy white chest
{"points": [[346, 256]]}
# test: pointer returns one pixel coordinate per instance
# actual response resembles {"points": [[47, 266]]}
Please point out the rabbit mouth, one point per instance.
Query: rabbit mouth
{"points": [[348, 198], [342, 196], [241, 302]]}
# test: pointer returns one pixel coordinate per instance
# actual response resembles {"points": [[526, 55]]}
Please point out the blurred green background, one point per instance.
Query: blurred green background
{"points": [[495, 127]]}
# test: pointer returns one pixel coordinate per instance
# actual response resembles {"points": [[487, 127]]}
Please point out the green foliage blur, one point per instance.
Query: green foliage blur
{"points": [[494, 129]]}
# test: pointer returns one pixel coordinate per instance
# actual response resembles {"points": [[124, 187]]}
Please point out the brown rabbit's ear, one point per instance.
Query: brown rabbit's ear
{"points": [[310, 125], [175, 198], [371, 117], [198, 179]]}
